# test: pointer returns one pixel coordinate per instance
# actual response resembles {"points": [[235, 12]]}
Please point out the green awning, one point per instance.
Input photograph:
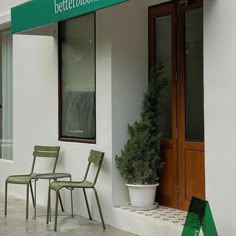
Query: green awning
{"points": [[37, 13]]}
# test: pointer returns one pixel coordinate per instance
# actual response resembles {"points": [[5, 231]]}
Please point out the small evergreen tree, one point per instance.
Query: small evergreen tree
{"points": [[140, 161]]}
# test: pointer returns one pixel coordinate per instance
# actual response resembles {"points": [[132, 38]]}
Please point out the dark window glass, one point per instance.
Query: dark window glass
{"points": [[77, 79]]}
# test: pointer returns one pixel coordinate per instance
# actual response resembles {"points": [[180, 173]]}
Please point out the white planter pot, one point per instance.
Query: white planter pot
{"points": [[142, 195]]}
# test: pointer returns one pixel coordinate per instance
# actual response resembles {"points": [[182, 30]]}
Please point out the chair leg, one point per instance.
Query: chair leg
{"points": [[34, 202], [27, 201], [32, 194], [71, 200], [49, 205], [62, 208], [86, 200], [6, 198], [56, 210], [50, 210], [99, 208], [61, 204]]}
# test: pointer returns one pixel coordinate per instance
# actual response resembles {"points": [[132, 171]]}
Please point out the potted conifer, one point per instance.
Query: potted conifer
{"points": [[140, 162]]}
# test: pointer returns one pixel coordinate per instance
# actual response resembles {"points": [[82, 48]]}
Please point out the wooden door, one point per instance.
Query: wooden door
{"points": [[175, 39]]}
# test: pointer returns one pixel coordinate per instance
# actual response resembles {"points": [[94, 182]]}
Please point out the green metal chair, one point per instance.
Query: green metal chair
{"points": [[39, 151], [95, 158]]}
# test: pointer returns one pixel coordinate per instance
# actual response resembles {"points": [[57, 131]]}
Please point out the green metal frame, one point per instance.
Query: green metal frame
{"points": [[49, 177], [95, 158], [39, 151]]}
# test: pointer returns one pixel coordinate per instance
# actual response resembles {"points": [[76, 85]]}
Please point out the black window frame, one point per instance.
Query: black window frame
{"points": [[60, 81]]}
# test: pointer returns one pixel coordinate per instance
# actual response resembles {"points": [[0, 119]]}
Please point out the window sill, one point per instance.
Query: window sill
{"points": [[77, 140], [6, 161]]}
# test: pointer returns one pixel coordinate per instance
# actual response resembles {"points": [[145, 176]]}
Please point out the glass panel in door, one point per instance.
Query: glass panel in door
{"points": [[194, 118], [163, 55]]}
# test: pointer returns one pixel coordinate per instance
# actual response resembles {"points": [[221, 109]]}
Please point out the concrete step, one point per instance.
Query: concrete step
{"points": [[163, 221]]}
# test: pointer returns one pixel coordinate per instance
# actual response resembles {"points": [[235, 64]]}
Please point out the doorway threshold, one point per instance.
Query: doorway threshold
{"points": [[162, 221], [162, 213]]}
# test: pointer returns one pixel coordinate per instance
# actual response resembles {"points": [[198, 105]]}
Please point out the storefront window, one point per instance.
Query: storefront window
{"points": [[77, 80], [6, 96]]}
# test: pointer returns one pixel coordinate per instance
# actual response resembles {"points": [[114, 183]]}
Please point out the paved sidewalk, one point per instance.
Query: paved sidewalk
{"points": [[15, 223]]}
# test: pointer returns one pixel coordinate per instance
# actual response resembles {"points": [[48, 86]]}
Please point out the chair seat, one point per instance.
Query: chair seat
{"points": [[20, 179], [57, 185]]}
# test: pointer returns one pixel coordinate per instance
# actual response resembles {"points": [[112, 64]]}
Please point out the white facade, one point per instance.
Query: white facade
{"points": [[121, 78], [219, 83]]}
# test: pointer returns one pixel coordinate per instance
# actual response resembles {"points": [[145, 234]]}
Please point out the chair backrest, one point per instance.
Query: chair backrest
{"points": [[96, 158], [45, 151]]}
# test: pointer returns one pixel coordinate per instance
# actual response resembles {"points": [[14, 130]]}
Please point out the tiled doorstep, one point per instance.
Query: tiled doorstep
{"points": [[163, 221], [162, 213]]}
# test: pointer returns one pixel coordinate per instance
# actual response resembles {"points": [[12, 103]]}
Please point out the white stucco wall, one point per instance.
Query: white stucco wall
{"points": [[129, 79], [5, 10], [6, 5], [220, 115]]}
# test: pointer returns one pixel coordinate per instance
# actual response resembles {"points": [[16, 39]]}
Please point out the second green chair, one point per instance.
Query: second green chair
{"points": [[96, 159]]}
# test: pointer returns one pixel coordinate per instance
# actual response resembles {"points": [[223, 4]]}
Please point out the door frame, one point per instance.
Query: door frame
{"points": [[183, 145], [177, 144]]}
